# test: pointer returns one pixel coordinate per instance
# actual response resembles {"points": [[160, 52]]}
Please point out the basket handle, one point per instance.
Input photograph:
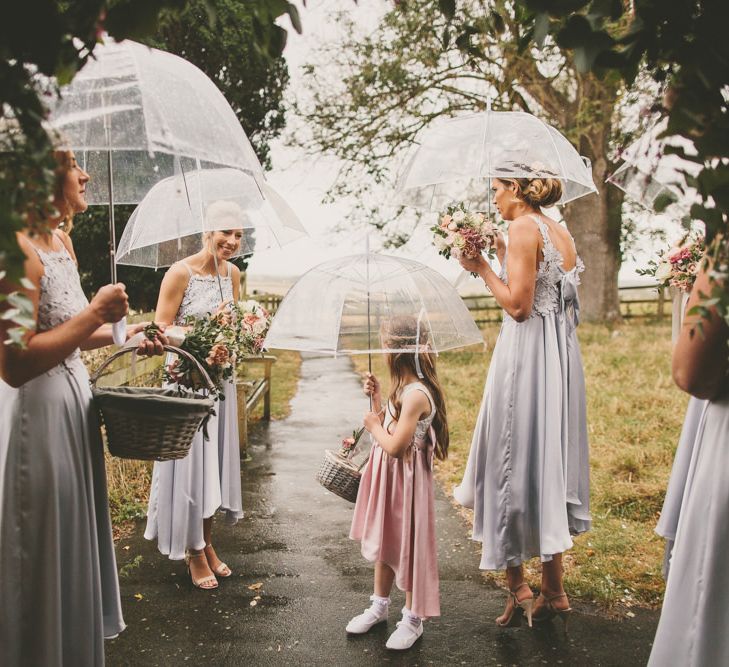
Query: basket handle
{"points": [[169, 348]]}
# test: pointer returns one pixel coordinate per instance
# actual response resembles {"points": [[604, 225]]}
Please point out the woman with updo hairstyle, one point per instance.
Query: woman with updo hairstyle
{"points": [[527, 477], [187, 493]]}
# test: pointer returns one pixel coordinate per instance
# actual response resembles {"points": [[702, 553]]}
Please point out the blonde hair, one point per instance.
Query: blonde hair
{"points": [[536, 192], [398, 333], [63, 166], [222, 210]]}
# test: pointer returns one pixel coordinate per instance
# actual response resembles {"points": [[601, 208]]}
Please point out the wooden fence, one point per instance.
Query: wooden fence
{"points": [[635, 301]]}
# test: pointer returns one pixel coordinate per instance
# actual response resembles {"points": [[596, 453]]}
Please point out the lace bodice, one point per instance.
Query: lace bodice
{"points": [[423, 425], [202, 295], [556, 289], [61, 296]]}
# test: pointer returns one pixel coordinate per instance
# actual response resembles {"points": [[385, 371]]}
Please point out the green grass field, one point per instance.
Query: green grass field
{"points": [[634, 419]]}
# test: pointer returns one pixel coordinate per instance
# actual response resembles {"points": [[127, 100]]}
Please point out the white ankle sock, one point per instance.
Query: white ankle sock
{"points": [[379, 604], [411, 618]]}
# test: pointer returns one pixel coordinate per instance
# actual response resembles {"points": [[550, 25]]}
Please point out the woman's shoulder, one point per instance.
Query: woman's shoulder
{"points": [[525, 226]]}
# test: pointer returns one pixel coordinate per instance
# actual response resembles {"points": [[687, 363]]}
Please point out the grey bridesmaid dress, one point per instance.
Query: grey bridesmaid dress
{"points": [[695, 615], [59, 592], [527, 477], [188, 490], [671, 510]]}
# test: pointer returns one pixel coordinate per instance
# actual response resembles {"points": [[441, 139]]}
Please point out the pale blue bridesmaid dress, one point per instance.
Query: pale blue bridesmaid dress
{"points": [[188, 490], [59, 592], [527, 477]]}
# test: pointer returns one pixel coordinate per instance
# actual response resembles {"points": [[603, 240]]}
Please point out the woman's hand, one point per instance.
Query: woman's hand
{"points": [[148, 346], [223, 313], [473, 264], [371, 421], [500, 244], [371, 387], [111, 303]]}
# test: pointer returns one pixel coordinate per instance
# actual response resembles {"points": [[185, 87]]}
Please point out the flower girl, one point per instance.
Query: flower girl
{"points": [[394, 517]]}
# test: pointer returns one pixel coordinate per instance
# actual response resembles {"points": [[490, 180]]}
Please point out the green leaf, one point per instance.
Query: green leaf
{"points": [[447, 8], [663, 201], [541, 29], [293, 13]]}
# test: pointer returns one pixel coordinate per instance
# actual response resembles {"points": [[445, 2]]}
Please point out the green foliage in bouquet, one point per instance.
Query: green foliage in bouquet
{"points": [[214, 344]]}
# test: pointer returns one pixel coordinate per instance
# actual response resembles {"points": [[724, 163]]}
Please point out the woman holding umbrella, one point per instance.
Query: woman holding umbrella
{"points": [[59, 593], [527, 476], [187, 492]]}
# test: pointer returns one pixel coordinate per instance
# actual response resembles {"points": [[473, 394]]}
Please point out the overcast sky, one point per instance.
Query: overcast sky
{"points": [[304, 180]]}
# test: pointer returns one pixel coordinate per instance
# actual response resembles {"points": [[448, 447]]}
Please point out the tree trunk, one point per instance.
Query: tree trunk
{"points": [[595, 223]]}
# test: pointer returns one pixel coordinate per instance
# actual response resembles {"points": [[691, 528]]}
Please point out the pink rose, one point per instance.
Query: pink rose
{"points": [[219, 355]]}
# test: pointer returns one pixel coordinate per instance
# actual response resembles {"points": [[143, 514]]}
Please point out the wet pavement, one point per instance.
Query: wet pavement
{"points": [[297, 578]]}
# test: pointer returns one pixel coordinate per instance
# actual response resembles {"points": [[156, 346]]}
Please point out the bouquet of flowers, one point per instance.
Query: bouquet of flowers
{"points": [[678, 266], [348, 444], [253, 321], [214, 342], [462, 233]]}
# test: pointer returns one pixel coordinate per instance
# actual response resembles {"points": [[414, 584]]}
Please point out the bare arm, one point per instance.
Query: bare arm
{"points": [[47, 349], [700, 361], [516, 298], [171, 292], [414, 406]]}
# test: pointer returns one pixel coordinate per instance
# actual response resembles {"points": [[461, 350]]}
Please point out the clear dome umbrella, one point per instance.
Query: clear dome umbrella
{"points": [[455, 159], [136, 115], [169, 222], [342, 306], [652, 176]]}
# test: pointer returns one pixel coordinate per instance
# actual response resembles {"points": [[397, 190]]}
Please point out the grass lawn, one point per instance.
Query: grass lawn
{"points": [[128, 481], [634, 419]]}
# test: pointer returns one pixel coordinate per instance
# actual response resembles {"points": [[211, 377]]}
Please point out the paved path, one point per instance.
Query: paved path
{"points": [[293, 541]]}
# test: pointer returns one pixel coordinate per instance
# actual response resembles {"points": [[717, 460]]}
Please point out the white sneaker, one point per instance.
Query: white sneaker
{"points": [[377, 613], [405, 635]]}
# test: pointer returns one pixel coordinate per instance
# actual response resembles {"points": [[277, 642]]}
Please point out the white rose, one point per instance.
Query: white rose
{"points": [[440, 242], [663, 272], [259, 327], [459, 216], [175, 335], [453, 226]]}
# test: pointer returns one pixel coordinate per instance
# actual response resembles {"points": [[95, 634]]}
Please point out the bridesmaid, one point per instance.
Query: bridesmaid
{"points": [[186, 493], [59, 593], [527, 477], [695, 615]]}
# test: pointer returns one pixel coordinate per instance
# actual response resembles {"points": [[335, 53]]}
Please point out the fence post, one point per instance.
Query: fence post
{"points": [[661, 302]]}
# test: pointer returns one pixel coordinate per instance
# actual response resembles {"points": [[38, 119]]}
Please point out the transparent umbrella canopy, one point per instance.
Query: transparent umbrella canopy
{"points": [[341, 306], [651, 175], [169, 222], [456, 158], [136, 115]]}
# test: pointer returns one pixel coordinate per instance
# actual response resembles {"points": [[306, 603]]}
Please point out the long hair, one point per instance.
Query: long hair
{"points": [[400, 332], [63, 166]]}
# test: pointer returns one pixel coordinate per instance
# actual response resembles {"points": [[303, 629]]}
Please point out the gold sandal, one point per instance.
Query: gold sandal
{"points": [[518, 609], [548, 611], [206, 583], [222, 570]]}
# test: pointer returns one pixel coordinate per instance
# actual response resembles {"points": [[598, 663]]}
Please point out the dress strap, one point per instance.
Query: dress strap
{"points": [[413, 386], [187, 266], [542, 229], [43, 254]]}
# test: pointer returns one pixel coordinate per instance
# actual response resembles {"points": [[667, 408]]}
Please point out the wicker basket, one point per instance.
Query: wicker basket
{"points": [[340, 476], [149, 423]]}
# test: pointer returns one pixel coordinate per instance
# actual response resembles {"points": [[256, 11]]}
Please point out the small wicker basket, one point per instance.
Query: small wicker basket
{"points": [[150, 423], [340, 476]]}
